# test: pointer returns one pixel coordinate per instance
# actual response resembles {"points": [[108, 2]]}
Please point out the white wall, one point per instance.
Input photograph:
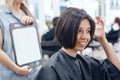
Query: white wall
{"points": [[110, 14]]}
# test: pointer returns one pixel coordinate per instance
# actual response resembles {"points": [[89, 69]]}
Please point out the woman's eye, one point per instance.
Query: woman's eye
{"points": [[88, 31], [79, 30]]}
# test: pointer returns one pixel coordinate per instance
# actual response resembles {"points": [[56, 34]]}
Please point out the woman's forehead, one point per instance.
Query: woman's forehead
{"points": [[84, 23]]}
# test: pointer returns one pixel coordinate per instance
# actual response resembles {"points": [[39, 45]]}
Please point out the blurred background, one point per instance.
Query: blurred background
{"points": [[46, 10]]}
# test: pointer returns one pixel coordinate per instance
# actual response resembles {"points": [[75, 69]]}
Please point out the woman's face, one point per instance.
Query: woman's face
{"points": [[83, 37]]}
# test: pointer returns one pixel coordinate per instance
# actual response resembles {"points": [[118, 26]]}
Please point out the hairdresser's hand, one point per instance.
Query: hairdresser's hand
{"points": [[24, 70], [99, 29], [26, 20]]}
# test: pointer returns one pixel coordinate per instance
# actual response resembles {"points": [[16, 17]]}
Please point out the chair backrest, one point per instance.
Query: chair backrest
{"points": [[50, 47], [113, 36]]}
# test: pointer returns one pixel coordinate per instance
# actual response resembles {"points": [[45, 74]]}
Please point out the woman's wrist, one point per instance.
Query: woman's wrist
{"points": [[17, 70], [103, 41]]}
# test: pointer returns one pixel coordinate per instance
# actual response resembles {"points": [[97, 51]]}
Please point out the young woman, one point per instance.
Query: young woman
{"points": [[74, 31], [12, 12]]}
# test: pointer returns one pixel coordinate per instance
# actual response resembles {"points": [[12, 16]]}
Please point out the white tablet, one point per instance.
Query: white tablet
{"points": [[26, 44]]}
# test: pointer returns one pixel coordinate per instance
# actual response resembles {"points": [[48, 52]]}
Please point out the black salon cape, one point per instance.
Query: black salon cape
{"points": [[64, 67]]}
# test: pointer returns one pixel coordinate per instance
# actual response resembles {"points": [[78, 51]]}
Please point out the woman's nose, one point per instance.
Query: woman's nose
{"points": [[84, 34]]}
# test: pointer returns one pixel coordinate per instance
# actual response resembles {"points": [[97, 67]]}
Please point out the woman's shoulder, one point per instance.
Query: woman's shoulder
{"points": [[55, 60], [4, 10]]}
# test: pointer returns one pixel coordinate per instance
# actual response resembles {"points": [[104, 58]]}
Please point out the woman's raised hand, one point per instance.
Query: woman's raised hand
{"points": [[99, 29]]}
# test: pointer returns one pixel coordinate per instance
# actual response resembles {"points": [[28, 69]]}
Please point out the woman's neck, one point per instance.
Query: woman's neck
{"points": [[70, 52], [16, 9]]}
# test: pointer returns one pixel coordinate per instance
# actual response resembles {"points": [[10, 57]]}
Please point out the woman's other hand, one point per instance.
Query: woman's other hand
{"points": [[24, 70]]}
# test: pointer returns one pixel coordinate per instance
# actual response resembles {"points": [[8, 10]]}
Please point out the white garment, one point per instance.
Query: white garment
{"points": [[115, 27]]}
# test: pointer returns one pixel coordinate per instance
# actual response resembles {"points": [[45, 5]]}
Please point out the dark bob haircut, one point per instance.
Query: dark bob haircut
{"points": [[68, 25]]}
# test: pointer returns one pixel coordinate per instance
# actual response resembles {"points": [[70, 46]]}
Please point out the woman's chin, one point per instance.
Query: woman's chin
{"points": [[80, 49]]}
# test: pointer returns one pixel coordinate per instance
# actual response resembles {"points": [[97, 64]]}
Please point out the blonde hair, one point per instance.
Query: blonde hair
{"points": [[26, 10], [7, 2], [22, 7]]}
